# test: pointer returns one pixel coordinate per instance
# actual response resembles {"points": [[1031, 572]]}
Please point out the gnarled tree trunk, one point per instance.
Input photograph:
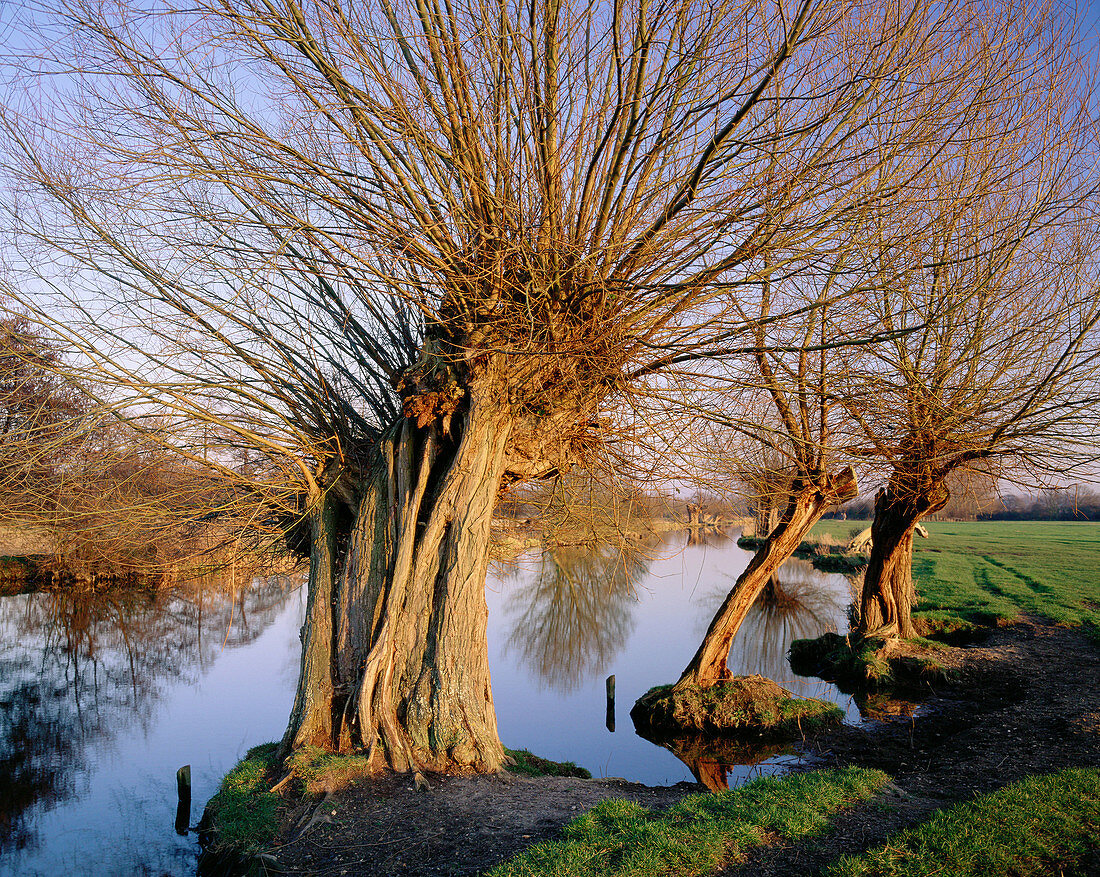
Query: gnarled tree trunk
{"points": [[395, 657], [807, 503], [886, 603]]}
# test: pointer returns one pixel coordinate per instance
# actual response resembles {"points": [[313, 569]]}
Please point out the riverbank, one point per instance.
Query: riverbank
{"points": [[1027, 701]]}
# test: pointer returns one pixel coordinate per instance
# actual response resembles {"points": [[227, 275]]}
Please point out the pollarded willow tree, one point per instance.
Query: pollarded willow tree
{"points": [[788, 451], [993, 302], [404, 255]]}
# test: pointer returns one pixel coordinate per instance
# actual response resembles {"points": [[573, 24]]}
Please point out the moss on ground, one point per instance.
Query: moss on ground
{"points": [[698, 834], [319, 771], [1041, 825], [872, 664], [741, 705], [242, 819]]}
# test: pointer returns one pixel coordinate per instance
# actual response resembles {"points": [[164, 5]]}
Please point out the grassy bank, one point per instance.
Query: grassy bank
{"points": [[243, 814], [1041, 825], [996, 570], [698, 834]]}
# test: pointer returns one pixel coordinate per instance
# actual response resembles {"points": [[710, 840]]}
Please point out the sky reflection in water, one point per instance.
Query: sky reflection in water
{"points": [[560, 623], [103, 697]]}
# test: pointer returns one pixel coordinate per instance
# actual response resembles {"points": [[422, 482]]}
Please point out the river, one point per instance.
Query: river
{"points": [[103, 698]]}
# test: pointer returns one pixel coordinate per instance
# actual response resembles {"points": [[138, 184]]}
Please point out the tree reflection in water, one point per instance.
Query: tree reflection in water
{"points": [[577, 613], [710, 758], [75, 667], [709, 536], [801, 602]]}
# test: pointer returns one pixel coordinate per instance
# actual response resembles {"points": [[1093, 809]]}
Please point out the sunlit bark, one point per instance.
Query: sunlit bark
{"points": [[806, 505]]}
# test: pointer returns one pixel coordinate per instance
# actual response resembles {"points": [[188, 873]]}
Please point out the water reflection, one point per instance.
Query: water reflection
{"points": [[710, 759], [798, 603], [78, 668], [708, 536], [576, 613], [36, 753]]}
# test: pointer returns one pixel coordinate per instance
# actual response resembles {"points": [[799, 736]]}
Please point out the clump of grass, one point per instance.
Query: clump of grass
{"points": [[871, 664], [242, 814], [946, 627], [845, 563], [744, 704], [320, 771], [698, 834], [534, 766], [825, 551], [1041, 825]]}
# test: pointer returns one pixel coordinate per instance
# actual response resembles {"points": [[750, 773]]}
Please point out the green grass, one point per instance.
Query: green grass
{"points": [[1037, 826], [534, 766], [993, 571], [244, 810], [697, 834]]}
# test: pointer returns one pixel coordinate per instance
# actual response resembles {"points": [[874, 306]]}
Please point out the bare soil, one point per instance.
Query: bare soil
{"points": [[1026, 701]]}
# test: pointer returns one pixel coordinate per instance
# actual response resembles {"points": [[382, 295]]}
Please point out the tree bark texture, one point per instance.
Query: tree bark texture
{"points": [[808, 501], [394, 650], [888, 595]]}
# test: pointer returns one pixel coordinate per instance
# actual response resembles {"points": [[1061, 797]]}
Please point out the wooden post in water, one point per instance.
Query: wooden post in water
{"points": [[610, 721], [183, 808]]}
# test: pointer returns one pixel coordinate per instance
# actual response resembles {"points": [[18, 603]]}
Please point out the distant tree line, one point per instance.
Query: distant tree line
{"points": [[1075, 502], [108, 498]]}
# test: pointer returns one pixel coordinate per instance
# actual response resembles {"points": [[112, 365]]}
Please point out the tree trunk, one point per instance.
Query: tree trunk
{"points": [[394, 650], [806, 505], [888, 594]]}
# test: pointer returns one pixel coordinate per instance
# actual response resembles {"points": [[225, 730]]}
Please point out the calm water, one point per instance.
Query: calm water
{"points": [[102, 699], [560, 623]]}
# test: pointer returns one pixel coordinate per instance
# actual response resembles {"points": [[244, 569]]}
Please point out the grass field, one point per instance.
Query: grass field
{"points": [[697, 835], [996, 570]]}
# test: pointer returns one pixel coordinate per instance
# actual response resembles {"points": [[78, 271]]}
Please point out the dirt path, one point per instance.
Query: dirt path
{"points": [[1028, 702]]}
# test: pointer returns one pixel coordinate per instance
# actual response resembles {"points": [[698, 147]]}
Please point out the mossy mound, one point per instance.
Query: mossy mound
{"points": [[242, 817], [743, 705], [527, 764], [872, 664], [845, 563]]}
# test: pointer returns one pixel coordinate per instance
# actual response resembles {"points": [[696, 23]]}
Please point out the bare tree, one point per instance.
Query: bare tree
{"points": [[37, 410], [411, 254], [792, 463], [993, 303]]}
